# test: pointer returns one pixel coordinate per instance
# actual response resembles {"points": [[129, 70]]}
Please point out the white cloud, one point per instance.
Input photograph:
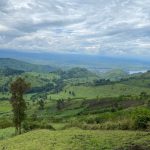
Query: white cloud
{"points": [[113, 27], [3, 28]]}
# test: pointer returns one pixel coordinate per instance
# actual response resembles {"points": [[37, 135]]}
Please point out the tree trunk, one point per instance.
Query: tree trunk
{"points": [[20, 128], [16, 130]]}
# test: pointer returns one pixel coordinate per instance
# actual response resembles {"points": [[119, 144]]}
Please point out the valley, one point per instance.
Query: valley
{"points": [[74, 75], [77, 103]]}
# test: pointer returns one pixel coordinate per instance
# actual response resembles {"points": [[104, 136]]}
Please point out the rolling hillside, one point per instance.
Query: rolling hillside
{"points": [[76, 102], [24, 66]]}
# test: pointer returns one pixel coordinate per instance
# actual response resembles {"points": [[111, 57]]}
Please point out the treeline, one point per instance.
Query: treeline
{"points": [[75, 73], [46, 88], [102, 82], [10, 72]]}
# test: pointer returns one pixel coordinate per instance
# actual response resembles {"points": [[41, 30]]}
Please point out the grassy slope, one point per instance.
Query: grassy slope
{"points": [[75, 139], [6, 133], [4, 106], [101, 91], [21, 65], [132, 86]]}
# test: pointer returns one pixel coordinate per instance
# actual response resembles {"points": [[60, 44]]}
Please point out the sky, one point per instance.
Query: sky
{"points": [[99, 27]]}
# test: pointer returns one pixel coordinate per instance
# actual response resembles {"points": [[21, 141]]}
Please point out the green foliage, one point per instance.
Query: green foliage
{"points": [[144, 96], [5, 123], [32, 125], [141, 121], [9, 72], [39, 96], [102, 82], [148, 104], [41, 104], [18, 88], [60, 104]]}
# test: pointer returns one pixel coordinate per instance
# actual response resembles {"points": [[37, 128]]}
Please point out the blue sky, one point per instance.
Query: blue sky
{"points": [[105, 27]]}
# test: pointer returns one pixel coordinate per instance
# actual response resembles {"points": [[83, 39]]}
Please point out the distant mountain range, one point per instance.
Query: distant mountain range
{"points": [[92, 62], [24, 66]]}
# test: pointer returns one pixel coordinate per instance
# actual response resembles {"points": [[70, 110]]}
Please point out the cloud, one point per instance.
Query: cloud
{"points": [[109, 27]]}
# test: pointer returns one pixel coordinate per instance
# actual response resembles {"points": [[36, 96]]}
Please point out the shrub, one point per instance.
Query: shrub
{"points": [[5, 123], [34, 117], [148, 104], [90, 120], [134, 147], [27, 126], [109, 125], [141, 121]]}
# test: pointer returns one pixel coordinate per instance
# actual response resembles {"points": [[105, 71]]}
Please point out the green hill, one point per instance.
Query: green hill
{"points": [[78, 73], [114, 75], [24, 66]]}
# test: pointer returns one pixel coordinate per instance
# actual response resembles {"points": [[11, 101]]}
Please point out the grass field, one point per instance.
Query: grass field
{"points": [[5, 106], [6, 133], [76, 139], [88, 92]]}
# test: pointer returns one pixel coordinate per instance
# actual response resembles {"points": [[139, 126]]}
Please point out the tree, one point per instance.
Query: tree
{"points": [[143, 95], [141, 121], [73, 93], [148, 104], [18, 88], [41, 104], [60, 104]]}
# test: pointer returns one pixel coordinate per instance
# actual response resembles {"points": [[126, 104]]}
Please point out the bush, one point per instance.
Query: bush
{"points": [[109, 125], [27, 126], [141, 121], [90, 120], [5, 123], [99, 120], [148, 104], [134, 147], [34, 117]]}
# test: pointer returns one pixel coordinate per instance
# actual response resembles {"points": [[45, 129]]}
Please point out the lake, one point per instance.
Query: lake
{"points": [[137, 71]]}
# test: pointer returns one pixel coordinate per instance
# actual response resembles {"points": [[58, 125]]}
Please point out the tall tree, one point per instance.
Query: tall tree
{"points": [[18, 88]]}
